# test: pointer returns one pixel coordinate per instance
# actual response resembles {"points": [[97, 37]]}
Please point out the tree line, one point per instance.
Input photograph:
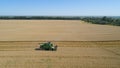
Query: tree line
{"points": [[103, 20], [94, 20], [40, 17]]}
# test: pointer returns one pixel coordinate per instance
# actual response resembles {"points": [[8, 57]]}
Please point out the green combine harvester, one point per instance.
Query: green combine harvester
{"points": [[47, 46]]}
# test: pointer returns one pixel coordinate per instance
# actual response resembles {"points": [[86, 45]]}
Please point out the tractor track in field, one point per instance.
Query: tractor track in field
{"points": [[111, 51]]}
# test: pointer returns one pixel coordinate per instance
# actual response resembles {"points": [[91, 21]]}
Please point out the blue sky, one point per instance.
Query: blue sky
{"points": [[60, 7]]}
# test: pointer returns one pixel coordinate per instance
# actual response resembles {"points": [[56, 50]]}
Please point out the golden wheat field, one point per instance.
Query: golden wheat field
{"points": [[56, 30], [80, 45]]}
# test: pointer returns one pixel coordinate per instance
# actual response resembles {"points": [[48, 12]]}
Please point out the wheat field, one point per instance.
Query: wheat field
{"points": [[56, 30], [80, 45]]}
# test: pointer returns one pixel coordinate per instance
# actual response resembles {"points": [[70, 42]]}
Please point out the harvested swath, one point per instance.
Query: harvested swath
{"points": [[81, 54]]}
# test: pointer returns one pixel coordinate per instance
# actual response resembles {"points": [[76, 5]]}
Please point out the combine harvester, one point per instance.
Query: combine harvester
{"points": [[47, 46]]}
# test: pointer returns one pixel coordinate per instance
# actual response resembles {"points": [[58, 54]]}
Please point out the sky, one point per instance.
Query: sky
{"points": [[60, 7]]}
